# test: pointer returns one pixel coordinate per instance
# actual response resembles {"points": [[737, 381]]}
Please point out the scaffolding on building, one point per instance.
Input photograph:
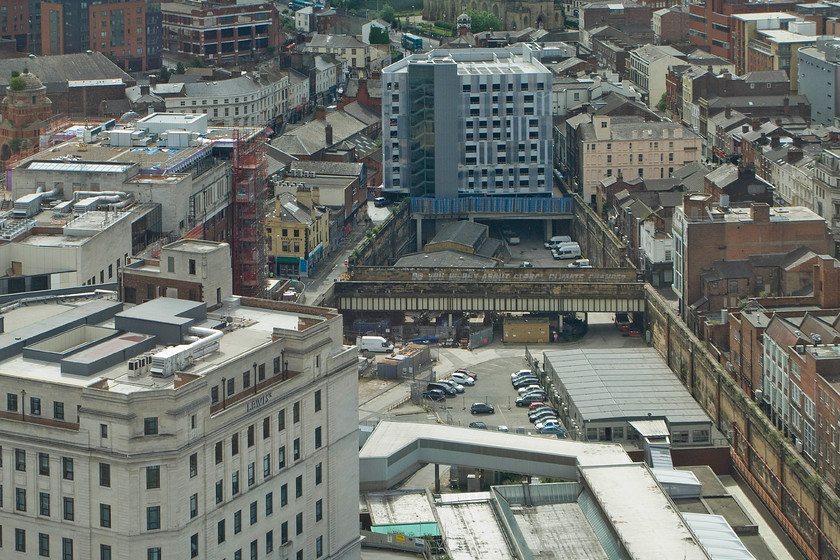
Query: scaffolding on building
{"points": [[249, 187]]}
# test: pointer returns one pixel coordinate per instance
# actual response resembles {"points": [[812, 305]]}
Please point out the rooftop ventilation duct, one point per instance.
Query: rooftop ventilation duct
{"points": [[175, 358]]}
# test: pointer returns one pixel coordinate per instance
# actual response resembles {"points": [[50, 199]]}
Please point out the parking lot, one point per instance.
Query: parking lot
{"points": [[493, 366], [530, 248]]}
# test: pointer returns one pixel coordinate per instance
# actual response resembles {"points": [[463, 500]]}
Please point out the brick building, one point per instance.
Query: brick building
{"points": [[711, 21], [191, 269], [704, 233], [125, 30], [77, 84], [220, 33], [24, 112], [14, 23]]}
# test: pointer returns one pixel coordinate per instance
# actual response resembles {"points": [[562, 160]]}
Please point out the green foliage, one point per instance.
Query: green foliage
{"points": [[180, 69], [663, 103], [288, 24], [15, 73], [165, 74], [378, 36], [16, 83], [445, 25], [484, 21], [197, 62], [387, 13]]}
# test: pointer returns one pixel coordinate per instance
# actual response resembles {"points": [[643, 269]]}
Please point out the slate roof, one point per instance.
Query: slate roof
{"points": [[335, 42], [289, 209], [311, 137], [59, 69], [692, 176], [363, 113], [462, 232], [349, 169], [242, 85]]}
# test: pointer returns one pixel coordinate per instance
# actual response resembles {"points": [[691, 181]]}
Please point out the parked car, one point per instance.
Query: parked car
{"points": [[529, 388], [544, 423], [525, 381], [434, 395], [536, 405], [542, 417], [502, 429], [467, 372], [542, 409], [523, 376], [479, 425], [447, 390], [519, 373], [482, 408], [553, 429], [462, 378], [457, 387], [528, 399]]}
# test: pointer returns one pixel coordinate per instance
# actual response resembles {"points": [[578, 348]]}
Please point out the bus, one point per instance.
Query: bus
{"points": [[412, 42]]}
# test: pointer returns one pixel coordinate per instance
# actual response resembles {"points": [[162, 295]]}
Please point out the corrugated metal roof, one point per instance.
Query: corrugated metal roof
{"points": [[717, 537], [650, 428], [629, 383]]}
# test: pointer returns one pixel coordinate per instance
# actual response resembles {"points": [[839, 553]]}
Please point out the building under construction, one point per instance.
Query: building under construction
{"points": [[249, 188]]}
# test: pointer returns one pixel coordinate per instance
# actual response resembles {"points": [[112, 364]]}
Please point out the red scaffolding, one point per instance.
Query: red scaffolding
{"points": [[249, 187]]}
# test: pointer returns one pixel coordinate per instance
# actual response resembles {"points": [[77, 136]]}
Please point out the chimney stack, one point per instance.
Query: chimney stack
{"points": [[320, 113], [728, 111], [328, 133], [760, 213], [787, 105], [794, 155], [775, 142]]}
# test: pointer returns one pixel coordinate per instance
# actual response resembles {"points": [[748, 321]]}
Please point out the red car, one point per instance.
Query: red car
{"points": [[472, 374]]}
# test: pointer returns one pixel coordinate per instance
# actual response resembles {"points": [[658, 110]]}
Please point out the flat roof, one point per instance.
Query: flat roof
{"points": [[559, 530], [644, 518], [466, 523], [394, 507], [391, 437], [253, 327], [623, 383]]}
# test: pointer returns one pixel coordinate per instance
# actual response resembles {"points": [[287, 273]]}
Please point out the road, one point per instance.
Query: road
{"points": [[330, 269]]}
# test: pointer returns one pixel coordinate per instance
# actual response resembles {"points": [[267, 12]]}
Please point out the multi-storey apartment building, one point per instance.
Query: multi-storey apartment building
{"points": [[819, 80], [704, 233], [221, 33], [126, 30], [161, 431], [468, 122]]}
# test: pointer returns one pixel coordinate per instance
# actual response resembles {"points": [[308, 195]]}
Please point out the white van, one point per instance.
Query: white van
{"points": [[567, 253], [375, 344], [557, 240], [581, 263], [565, 244]]}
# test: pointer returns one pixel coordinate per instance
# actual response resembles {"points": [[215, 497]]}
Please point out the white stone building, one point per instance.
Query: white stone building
{"points": [[239, 443], [251, 100]]}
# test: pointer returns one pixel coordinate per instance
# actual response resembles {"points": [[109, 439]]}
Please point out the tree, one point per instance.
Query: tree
{"points": [[197, 62], [484, 21], [663, 103], [164, 75], [179, 69], [378, 36], [387, 13], [16, 83]]}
